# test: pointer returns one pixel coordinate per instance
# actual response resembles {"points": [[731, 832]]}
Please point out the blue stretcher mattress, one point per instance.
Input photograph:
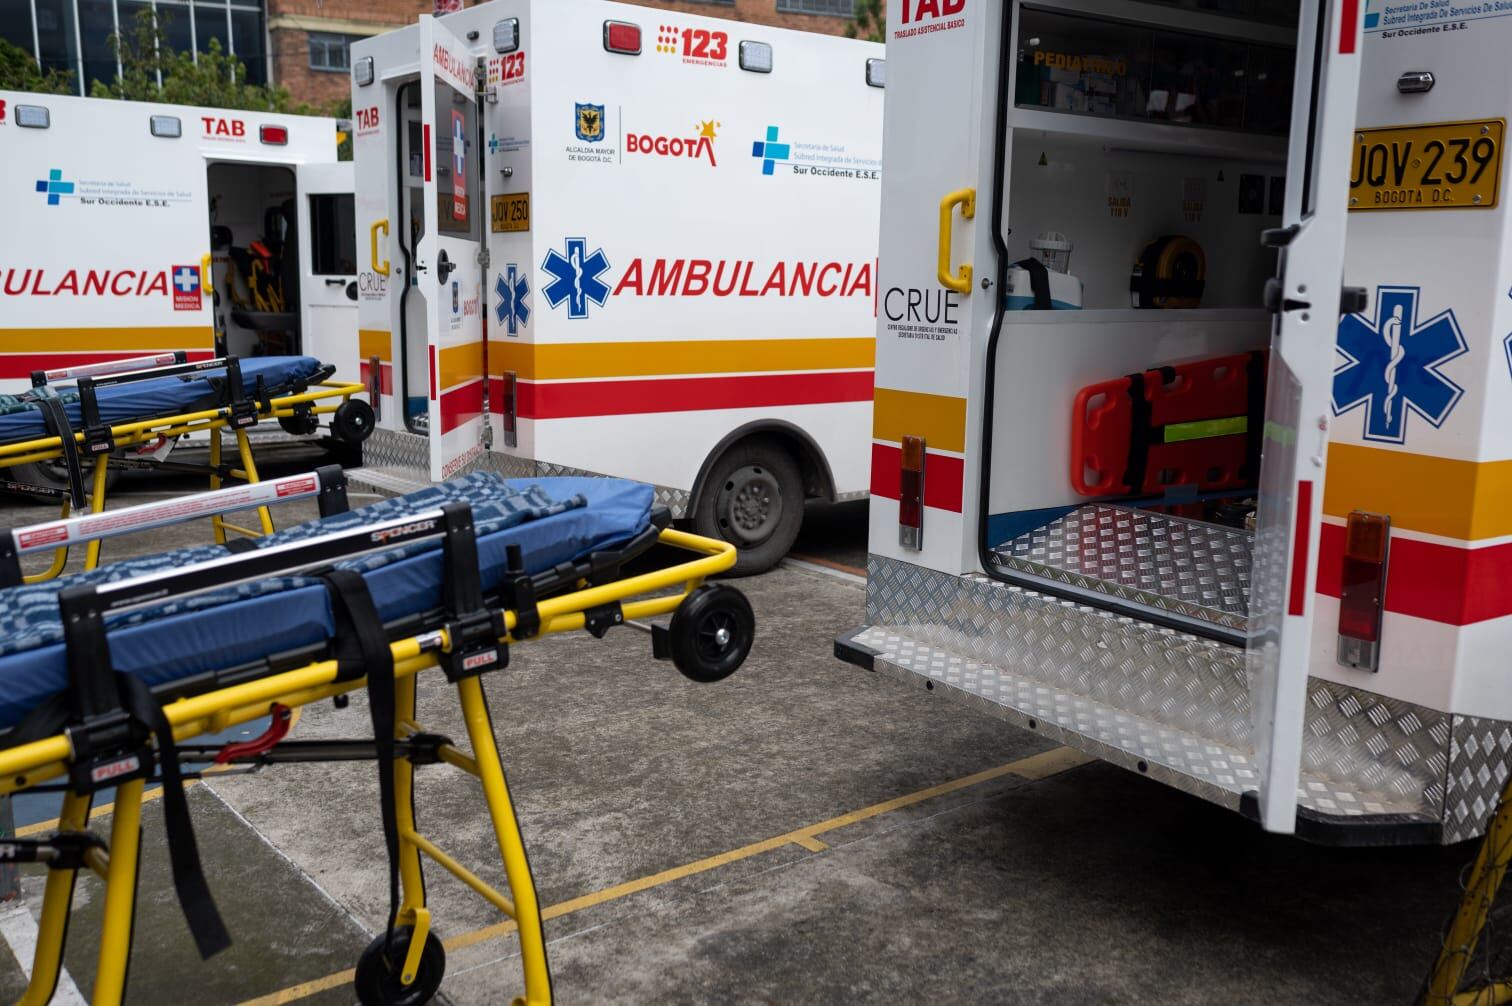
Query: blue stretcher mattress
{"points": [[554, 520], [21, 418]]}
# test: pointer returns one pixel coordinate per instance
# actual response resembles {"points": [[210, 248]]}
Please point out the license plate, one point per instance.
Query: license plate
{"points": [[510, 212], [1446, 165]]}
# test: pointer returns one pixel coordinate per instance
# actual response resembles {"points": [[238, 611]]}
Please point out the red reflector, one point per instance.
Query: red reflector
{"points": [[621, 36], [911, 494], [277, 136], [1363, 583]]}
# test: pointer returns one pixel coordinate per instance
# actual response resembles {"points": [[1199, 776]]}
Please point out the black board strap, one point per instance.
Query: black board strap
{"points": [[1255, 377], [55, 417]]}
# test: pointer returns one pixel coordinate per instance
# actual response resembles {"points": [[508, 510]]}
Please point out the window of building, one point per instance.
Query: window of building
{"points": [[331, 52], [838, 8], [717, 3], [333, 235]]}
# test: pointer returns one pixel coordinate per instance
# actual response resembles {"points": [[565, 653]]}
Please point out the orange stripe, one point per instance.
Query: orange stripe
{"points": [[939, 419], [579, 360], [460, 364], [1467, 500], [372, 342], [106, 340]]}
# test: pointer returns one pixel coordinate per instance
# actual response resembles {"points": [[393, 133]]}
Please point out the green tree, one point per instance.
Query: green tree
{"points": [[20, 72], [870, 22]]}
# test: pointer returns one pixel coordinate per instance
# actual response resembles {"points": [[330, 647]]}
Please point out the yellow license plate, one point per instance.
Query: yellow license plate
{"points": [[510, 212], [1446, 165]]}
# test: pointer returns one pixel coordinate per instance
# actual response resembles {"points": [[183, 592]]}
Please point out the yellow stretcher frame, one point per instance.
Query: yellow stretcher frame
{"points": [[319, 400], [41, 761]]}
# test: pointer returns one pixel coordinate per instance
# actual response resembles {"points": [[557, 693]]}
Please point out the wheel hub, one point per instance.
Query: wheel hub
{"points": [[749, 505]]}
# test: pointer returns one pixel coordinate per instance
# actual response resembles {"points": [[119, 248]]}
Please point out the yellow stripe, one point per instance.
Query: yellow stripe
{"points": [[578, 360], [1467, 500], [1035, 767], [106, 340], [458, 364], [939, 419], [371, 342]]}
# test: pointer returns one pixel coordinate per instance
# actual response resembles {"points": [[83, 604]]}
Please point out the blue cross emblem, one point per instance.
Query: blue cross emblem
{"points": [[54, 186], [512, 288], [186, 278], [576, 277], [1391, 365], [770, 151], [493, 143]]}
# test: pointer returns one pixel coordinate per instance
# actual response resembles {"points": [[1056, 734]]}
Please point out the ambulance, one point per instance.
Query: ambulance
{"points": [[134, 229], [599, 238], [1193, 433]]}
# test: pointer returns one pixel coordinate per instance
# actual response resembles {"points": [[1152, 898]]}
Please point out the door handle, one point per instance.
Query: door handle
{"points": [[335, 282], [1275, 303], [205, 263], [381, 268], [966, 199]]}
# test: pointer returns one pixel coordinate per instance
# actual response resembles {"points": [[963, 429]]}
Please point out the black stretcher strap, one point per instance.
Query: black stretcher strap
{"points": [[1255, 377], [362, 648], [1039, 283], [1139, 435], [55, 417]]}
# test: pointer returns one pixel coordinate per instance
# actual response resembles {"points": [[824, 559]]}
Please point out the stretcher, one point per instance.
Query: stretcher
{"points": [[108, 676], [91, 419]]}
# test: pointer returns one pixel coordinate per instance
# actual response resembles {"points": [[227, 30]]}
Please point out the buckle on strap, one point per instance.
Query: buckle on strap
{"points": [[474, 633]]}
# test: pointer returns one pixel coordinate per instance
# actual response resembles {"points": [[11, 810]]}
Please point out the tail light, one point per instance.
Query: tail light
{"points": [[276, 136], [911, 494], [511, 410], [1362, 594]]}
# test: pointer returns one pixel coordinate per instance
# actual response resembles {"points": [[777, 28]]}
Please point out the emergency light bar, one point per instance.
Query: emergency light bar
{"points": [[1362, 589], [622, 37], [33, 116], [506, 35], [169, 127], [274, 136]]}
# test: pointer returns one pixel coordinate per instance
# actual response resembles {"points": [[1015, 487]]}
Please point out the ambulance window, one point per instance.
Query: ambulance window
{"points": [[1282, 12], [1089, 67], [456, 163], [333, 235]]}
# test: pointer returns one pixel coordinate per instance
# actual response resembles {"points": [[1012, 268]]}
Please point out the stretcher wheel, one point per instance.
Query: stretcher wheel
{"points": [[711, 633], [377, 979], [352, 421]]}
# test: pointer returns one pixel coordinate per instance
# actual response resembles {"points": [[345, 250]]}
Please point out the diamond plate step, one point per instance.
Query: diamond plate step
{"points": [[1170, 564], [394, 480]]}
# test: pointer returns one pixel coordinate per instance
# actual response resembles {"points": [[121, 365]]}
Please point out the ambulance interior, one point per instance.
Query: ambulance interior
{"points": [[1143, 164], [255, 255]]}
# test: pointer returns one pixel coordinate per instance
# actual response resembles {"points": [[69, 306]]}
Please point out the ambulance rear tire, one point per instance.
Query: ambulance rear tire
{"points": [[378, 974], [352, 421], [753, 499], [54, 475], [711, 633]]}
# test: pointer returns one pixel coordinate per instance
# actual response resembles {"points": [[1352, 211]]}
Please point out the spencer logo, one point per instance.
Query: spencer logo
{"points": [[386, 534], [699, 146]]}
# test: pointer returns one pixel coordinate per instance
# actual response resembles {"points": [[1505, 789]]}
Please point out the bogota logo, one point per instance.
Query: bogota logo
{"points": [[700, 145]]}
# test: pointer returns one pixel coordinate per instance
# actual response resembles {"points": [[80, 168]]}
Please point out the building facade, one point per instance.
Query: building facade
{"points": [[303, 45]]}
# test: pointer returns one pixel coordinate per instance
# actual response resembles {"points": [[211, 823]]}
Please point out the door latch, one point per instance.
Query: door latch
{"points": [[444, 266]]}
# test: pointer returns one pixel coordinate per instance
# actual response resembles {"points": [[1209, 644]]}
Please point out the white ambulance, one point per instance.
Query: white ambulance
{"points": [[602, 238], [1149, 478], [136, 228]]}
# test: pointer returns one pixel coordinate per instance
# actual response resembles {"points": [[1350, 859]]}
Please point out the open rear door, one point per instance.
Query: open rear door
{"points": [[1306, 297], [448, 268], [327, 232]]}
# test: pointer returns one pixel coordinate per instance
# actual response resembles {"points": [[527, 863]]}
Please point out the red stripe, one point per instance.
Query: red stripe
{"points": [[425, 145], [433, 373], [1442, 583], [944, 477], [1301, 543], [620, 398], [1349, 21], [21, 365], [385, 376], [461, 405]]}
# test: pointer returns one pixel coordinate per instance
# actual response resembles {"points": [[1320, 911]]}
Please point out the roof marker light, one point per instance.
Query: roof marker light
{"points": [[876, 73], [506, 35], [622, 37], [362, 71], [275, 136], [33, 116], [1362, 589], [169, 127], [756, 57]]}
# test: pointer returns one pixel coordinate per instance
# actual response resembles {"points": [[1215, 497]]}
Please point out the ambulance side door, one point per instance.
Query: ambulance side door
{"points": [[1306, 297], [328, 266]]}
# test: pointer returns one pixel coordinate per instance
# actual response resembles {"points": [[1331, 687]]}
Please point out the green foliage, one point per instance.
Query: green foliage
{"points": [[216, 79], [870, 22], [19, 72]]}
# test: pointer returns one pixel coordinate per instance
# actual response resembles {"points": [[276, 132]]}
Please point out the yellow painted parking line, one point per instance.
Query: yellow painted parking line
{"points": [[94, 812], [1035, 767]]}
